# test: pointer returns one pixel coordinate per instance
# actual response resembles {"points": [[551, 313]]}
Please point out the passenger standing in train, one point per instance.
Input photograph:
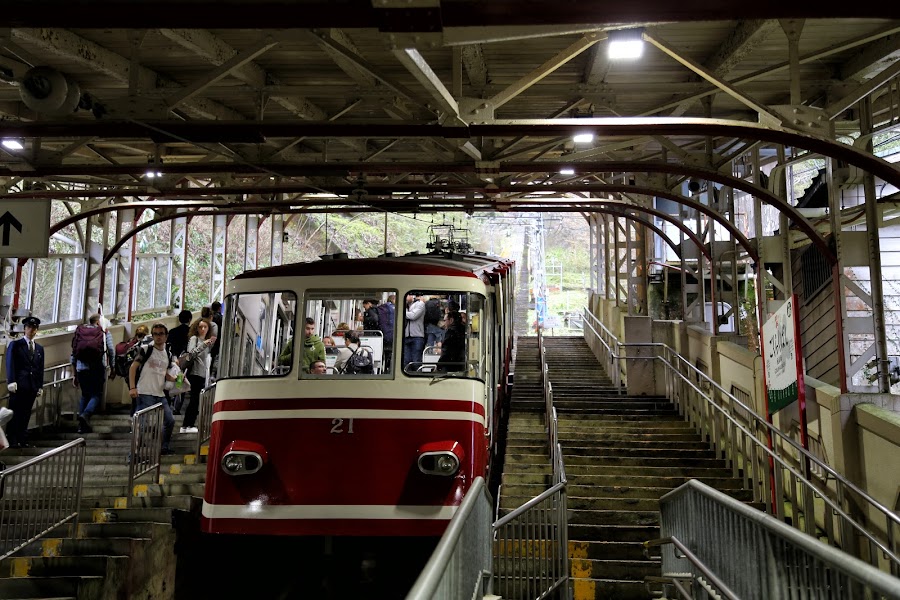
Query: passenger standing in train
{"points": [[197, 371], [434, 314], [24, 381], [318, 368], [453, 347], [370, 314], [313, 348], [386, 312], [147, 377], [90, 372], [413, 330]]}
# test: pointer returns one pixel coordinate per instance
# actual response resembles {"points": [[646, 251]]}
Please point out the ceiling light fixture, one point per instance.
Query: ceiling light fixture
{"points": [[567, 171], [11, 144], [583, 138], [626, 43]]}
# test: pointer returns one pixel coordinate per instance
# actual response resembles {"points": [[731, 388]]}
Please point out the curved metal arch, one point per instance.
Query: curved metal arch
{"points": [[702, 173], [649, 191], [648, 225]]}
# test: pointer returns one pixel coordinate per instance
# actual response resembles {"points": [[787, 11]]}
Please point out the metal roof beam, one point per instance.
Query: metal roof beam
{"points": [[416, 64], [97, 58]]}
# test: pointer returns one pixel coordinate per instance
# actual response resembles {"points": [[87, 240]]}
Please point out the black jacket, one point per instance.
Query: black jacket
{"points": [[27, 372]]}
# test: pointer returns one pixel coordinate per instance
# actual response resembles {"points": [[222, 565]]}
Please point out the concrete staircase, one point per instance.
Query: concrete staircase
{"points": [[621, 454], [117, 552]]}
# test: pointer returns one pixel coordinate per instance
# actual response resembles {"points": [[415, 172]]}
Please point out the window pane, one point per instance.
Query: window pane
{"points": [[352, 331], [441, 334], [258, 329]]}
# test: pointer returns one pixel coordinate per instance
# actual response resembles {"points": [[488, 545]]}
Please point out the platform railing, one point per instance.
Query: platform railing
{"points": [[57, 389], [204, 417], [776, 467], [39, 495], [605, 347], [531, 559], [705, 534], [460, 566], [146, 444]]}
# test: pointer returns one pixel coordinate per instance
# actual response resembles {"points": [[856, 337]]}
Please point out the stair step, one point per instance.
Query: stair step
{"points": [[44, 587]]}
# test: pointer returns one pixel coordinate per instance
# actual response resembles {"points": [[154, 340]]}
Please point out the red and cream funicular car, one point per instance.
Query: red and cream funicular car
{"points": [[386, 437]]}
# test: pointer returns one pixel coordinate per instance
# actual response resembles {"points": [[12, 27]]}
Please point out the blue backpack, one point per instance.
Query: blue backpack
{"points": [[386, 321]]}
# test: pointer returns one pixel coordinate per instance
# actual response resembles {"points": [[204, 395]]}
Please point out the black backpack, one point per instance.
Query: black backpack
{"points": [[359, 363]]}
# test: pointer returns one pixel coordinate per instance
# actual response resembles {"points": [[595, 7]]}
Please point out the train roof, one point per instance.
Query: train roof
{"points": [[455, 265]]}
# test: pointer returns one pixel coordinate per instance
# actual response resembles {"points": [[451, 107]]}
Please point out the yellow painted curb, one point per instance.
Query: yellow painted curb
{"points": [[584, 589], [204, 450], [190, 459], [19, 566], [578, 549], [50, 547], [121, 502], [580, 568], [101, 515], [141, 490], [162, 479]]}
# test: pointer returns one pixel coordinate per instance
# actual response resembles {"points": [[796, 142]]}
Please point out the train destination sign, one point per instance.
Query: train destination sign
{"points": [[24, 228], [783, 367]]}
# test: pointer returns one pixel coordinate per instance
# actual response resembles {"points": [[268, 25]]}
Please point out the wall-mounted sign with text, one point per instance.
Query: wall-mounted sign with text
{"points": [[781, 352]]}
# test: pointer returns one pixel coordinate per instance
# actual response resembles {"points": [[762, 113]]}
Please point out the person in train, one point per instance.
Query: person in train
{"points": [[370, 315], [413, 330], [318, 368], [313, 348], [453, 347]]}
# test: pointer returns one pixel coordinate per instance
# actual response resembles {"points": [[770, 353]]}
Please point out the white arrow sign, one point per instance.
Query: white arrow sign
{"points": [[24, 228]]}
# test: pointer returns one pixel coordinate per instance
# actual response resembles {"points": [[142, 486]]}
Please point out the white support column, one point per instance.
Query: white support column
{"points": [[217, 267], [277, 246], [251, 241], [178, 264], [94, 228], [124, 263]]}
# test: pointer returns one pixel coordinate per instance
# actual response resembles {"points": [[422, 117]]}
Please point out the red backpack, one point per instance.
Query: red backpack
{"points": [[88, 343]]}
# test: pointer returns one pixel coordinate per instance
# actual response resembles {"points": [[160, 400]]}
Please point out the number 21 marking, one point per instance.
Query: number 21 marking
{"points": [[337, 426]]}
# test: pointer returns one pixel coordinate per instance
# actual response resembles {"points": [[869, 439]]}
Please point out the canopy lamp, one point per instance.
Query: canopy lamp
{"points": [[12, 144], [626, 43]]}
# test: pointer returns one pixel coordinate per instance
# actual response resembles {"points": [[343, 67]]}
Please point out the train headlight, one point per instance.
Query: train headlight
{"points": [[440, 458], [244, 458]]}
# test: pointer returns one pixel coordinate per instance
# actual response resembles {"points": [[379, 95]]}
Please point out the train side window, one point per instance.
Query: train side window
{"points": [[257, 329], [355, 328], [441, 335]]}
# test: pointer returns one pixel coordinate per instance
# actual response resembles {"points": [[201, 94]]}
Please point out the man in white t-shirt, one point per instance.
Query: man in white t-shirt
{"points": [[153, 364]]}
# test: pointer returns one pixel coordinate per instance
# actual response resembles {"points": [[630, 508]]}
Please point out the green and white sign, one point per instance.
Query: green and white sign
{"points": [[784, 377]]}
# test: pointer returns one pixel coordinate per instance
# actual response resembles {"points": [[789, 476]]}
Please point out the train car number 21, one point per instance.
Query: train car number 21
{"points": [[337, 426]]}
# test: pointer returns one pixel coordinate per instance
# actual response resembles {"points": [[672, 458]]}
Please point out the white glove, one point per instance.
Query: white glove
{"points": [[40, 392], [12, 387]]}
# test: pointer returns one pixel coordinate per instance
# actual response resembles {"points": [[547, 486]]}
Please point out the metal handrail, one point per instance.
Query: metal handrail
{"points": [[146, 445], [738, 457], [533, 554], [39, 495], [721, 589], [721, 532], [460, 566], [610, 357], [51, 395], [204, 417]]}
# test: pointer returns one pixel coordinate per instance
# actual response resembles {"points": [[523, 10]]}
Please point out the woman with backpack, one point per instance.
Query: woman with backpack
{"points": [[196, 369], [353, 359]]}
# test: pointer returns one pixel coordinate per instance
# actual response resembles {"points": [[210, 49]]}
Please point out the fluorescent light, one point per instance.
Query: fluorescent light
{"points": [[583, 138], [626, 43], [567, 171], [152, 174], [11, 144], [632, 49]]}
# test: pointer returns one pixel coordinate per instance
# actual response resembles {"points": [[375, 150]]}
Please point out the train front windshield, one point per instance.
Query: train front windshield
{"points": [[354, 333]]}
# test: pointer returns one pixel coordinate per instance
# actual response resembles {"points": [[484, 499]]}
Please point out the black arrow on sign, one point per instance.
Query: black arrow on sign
{"points": [[7, 222]]}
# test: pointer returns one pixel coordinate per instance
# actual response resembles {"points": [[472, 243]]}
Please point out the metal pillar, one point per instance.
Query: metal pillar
{"points": [[178, 246], [277, 247], [873, 238], [251, 241], [638, 283], [217, 266], [838, 281], [123, 268], [95, 249], [608, 259]]}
